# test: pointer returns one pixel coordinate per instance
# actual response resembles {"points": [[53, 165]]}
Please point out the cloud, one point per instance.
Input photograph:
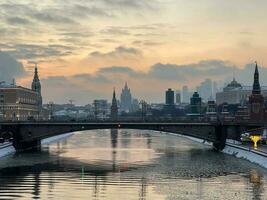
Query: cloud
{"points": [[35, 51], [149, 85], [10, 67], [118, 52], [17, 21]]}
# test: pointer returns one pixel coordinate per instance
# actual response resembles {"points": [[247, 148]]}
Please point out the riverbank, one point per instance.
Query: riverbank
{"points": [[236, 149], [7, 148]]}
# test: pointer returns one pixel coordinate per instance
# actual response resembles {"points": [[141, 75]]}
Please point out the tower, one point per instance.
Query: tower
{"points": [[114, 107], [126, 99], [36, 86], [256, 100]]}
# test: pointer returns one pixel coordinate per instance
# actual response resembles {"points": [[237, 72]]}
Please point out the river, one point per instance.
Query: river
{"points": [[126, 165]]}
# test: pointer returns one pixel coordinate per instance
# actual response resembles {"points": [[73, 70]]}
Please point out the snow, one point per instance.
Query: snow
{"points": [[6, 149], [233, 148], [246, 153]]}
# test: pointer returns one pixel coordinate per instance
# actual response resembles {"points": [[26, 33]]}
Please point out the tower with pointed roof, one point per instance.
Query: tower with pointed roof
{"points": [[126, 99], [36, 86], [114, 107], [256, 99]]}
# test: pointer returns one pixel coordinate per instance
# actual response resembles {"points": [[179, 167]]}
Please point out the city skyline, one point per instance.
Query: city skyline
{"points": [[98, 46]]}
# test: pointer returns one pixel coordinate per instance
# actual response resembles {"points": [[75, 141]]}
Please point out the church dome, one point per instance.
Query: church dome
{"points": [[233, 85]]}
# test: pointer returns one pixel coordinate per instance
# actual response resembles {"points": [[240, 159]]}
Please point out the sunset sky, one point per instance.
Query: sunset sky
{"points": [[84, 48]]}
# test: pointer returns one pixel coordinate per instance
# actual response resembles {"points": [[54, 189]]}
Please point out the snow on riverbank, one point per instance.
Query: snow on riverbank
{"points": [[7, 149], [234, 148], [246, 153]]}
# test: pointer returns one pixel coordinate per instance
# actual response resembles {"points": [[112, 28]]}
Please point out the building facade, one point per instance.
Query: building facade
{"points": [[18, 103], [178, 97], [195, 103], [169, 97], [235, 93]]}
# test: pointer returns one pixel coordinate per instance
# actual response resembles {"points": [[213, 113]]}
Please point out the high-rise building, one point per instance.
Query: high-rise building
{"points": [[185, 95], [36, 86], [195, 103], [178, 97], [114, 107], [205, 90], [256, 99], [135, 105], [126, 99], [169, 97]]}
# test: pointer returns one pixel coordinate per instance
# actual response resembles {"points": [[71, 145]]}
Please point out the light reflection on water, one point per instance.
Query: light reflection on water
{"points": [[132, 164]]}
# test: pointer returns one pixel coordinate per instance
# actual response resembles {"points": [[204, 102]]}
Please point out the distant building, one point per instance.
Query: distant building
{"points": [[114, 108], [235, 93], [135, 105], [178, 97], [205, 90], [185, 95], [169, 97], [256, 100], [101, 109], [126, 99], [195, 103]]}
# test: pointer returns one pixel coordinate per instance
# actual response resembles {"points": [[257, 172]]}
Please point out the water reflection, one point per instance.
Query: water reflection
{"points": [[115, 164]]}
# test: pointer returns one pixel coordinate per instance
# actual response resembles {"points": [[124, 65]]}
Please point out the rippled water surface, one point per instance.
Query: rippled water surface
{"points": [[129, 164]]}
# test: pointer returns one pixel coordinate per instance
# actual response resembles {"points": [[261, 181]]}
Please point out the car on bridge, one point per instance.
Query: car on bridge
{"points": [[245, 137]]}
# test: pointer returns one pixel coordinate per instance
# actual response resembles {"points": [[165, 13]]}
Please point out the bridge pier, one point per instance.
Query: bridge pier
{"points": [[221, 136], [34, 145]]}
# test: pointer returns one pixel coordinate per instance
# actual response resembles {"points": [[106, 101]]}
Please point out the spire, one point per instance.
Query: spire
{"points": [[114, 100], [256, 83], [114, 107]]}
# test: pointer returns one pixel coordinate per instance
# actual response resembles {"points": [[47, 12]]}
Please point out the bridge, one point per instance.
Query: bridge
{"points": [[29, 134]]}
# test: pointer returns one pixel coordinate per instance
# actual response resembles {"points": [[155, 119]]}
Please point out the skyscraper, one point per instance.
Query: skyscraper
{"points": [[36, 86], [195, 103], [114, 108], [178, 97], [126, 99], [185, 95], [169, 97]]}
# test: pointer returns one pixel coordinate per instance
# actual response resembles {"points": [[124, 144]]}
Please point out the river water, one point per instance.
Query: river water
{"points": [[129, 164]]}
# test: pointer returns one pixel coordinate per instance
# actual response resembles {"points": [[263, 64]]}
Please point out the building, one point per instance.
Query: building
{"points": [[185, 95], [135, 105], [101, 109], [256, 100], [235, 93], [195, 104], [169, 97], [126, 99], [211, 112], [205, 90], [178, 97], [18, 103], [114, 108], [36, 86]]}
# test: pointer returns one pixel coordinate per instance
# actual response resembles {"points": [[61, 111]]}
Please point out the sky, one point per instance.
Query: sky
{"points": [[86, 48]]}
